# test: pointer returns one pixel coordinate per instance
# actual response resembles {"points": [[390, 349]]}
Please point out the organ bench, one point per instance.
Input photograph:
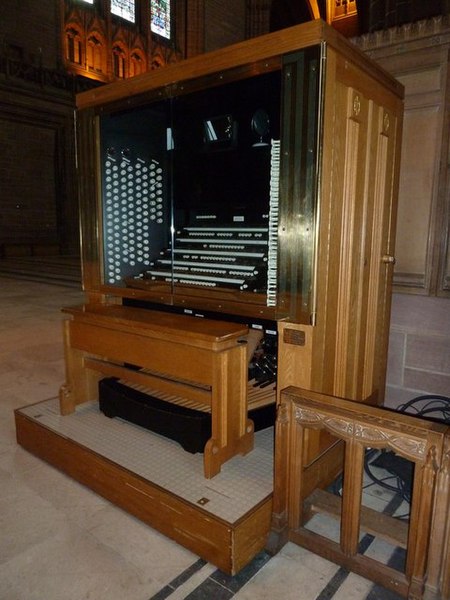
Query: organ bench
{"points": [[202, 360]]}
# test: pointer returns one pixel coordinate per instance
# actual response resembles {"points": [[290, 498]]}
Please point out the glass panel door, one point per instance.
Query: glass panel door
{"points": [[225, 186]]}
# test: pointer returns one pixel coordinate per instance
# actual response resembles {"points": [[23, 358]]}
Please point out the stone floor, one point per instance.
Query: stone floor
{"points": [[60, 541]]}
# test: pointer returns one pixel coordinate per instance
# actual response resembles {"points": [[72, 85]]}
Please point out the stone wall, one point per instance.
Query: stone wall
{"points": [[419, 348]]}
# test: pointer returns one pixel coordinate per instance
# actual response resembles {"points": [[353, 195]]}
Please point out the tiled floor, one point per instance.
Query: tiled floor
{"points": [[60, 541]]}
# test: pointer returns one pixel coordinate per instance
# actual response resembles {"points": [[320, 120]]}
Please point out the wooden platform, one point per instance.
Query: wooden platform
{"points": [[225, 520]]}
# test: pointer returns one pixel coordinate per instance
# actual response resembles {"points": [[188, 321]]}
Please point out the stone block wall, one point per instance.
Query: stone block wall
{"points": [[419, 348]]}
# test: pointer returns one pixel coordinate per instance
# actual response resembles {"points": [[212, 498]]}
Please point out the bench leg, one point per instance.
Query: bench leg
{"points": [[231, 430], [81, 383]]}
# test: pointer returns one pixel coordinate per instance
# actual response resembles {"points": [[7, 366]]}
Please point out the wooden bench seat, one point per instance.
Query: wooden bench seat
{"points": [[193, 357]]}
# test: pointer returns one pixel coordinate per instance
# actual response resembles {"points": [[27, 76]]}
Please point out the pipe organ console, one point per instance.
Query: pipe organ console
{"points": [[235, 212]]}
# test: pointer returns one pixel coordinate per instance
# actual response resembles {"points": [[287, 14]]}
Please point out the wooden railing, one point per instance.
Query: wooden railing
{"points": [[358, 427]]}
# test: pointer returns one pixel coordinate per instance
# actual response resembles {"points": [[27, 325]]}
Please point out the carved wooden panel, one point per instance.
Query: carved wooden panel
{"points": [[425, 443]]}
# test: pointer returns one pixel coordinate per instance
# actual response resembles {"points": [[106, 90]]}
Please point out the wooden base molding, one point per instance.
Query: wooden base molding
{"points": [[228, 545]]}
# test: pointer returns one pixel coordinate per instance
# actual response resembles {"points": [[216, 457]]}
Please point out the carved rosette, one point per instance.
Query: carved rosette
{"points": [[306, 417]]}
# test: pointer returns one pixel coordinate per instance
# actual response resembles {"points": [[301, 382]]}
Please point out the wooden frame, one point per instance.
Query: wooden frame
{"points": [[228, 545], [358, 427]]}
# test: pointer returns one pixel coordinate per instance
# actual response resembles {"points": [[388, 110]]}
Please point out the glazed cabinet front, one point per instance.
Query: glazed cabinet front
{"points": [[205, 193]]}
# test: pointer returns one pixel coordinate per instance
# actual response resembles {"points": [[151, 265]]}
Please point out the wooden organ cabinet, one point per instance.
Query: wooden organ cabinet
{"points": [[237, 219]]}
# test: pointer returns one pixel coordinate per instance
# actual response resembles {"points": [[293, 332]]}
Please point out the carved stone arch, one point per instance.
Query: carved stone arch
{"points": [[74, 16], [74, 44], [138, 55], [98, 26], [157, 60], [121, 37], [96, 52], [163, 55], [138, 62], [120, 59], [171, 55], [140, 42]]}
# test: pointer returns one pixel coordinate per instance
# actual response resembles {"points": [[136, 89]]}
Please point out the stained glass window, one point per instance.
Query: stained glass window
{"points": [[124, 9], [160, 17]]}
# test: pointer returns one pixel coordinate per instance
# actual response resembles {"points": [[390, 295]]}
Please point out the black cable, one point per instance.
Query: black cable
{"points": [[428, 406], [433, 404]]}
